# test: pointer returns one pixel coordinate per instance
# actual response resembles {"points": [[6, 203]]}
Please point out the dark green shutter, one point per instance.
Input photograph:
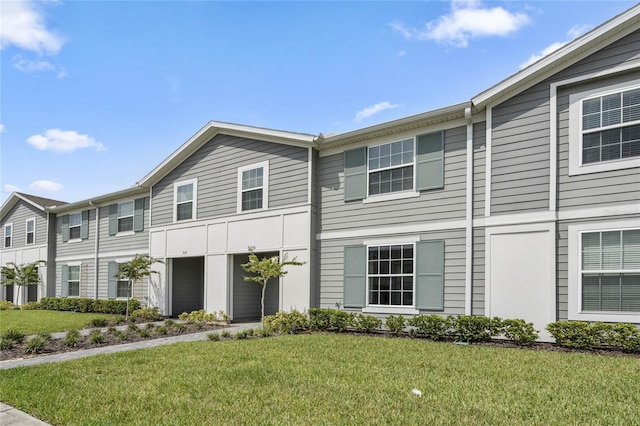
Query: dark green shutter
{"points": [[430, 161], [355, 276], [138, 215], [84, 230], [430, 275], [65, 228], [113, 219], [112, 270], [355, 174], [64, 292]]}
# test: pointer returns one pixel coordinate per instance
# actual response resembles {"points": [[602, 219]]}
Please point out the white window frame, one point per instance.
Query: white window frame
{"points": [[71, 265], [74, 240], [265, 186], [391, 309], [26, 231], [395, 195], [194, 200], [4, 235], [133, 211], [575, 232], [575, 131]]}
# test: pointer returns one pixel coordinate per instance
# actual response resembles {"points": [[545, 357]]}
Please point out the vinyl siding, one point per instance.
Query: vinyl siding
{"points": [[18, 215], [478, 285], [431, 205], [140, 289], [80, 248], [332, 268], [87, 281], [139, 242], [479, 168], [216, 164]]}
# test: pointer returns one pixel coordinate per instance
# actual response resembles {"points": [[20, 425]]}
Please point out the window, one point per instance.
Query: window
{"points": [[75, 226], [74, 281], [390, 275], [125, 216], [604, 128], [8, 229], [122, 288], [253, 187], [604, 271], [185, 200], [394, 170], [30, 237]]}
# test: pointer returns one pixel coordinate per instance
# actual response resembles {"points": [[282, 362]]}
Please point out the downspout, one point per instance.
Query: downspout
{"points": [[95, 256], [468, 300]]}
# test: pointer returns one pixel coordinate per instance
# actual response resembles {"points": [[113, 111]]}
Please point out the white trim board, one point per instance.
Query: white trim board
{"points": [[392, 230]]}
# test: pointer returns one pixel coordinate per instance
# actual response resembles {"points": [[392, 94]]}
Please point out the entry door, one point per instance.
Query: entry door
{"points": [[521, 276], [187, 285]]}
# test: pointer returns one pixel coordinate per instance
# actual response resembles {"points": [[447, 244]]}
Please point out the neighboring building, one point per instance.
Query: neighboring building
{"points": [[523, 202]]}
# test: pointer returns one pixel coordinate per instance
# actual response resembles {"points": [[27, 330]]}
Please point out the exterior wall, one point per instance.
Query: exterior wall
{"points": [[478, 285], [216, 164], [137, 243], [87, 280], [433, 205], [479, 168], [18, 215], [76, 249]]}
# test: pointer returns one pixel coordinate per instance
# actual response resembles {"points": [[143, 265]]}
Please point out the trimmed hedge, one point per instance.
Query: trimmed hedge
{"points": [[598, 335], [100, 306]]}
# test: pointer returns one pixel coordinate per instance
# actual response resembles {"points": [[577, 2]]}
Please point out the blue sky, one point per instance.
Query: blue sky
{"points": [[93, 95]]}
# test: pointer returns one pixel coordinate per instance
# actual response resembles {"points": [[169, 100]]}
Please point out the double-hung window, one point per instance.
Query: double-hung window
{"points": [[185, 195], [125, 216], [30, 236], [74, 280], [391, 167], [390, 275], [8, 230], [75, 226], [253, 184], [604, 128], [122, 288]]}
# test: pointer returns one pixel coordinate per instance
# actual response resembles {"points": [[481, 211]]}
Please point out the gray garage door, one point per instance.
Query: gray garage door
{"points": [[187, 285], [246, 294]]}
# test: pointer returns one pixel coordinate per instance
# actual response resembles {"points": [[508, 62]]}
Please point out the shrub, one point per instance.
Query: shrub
{"points": [[98, 322], [146, 314], [161, 329], [180, 328], [287, 322], [365, 323], [433, 327], [226, 334], [520, 331], [625, 337], [46, 336], [112, 330], [76, 304], [35, 345], [133, 327], [169, 323], [395, 324], [30, 306], [6, 305], [214, 337], [329, 319], [150, 326], [240, 335], [144, 333], [263, 332], [96, 337], [72, 338], [6, 344], [203, 317], [118, 320], [13, 334], [121, 335], [469, 328], [585, 335]]}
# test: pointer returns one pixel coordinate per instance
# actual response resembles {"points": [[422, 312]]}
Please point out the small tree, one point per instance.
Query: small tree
{"points": [[135, 270], [22, 275], [265, 269]]}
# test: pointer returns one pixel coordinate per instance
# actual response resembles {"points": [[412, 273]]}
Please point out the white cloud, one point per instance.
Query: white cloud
{"points": [[369, 111], [64, 141], [10, 188], [1, 128], [574, 32], [467, 20], [22, 24], [45, 185], [28, 65]]}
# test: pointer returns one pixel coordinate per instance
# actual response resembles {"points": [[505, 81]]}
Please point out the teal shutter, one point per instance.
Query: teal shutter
{"points": [[355, 174], [430, 275], [138, 215], [355, 276], [112, 270], [84, 230], [65, 228], [65, 281], [113, 219], [430, 161]]}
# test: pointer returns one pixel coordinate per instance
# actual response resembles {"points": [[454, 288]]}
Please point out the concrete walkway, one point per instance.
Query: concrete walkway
{"points": [[10, 416]]}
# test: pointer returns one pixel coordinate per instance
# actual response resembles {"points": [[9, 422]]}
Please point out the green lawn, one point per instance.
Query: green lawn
{"points": [[35, 321], [330, 379]]}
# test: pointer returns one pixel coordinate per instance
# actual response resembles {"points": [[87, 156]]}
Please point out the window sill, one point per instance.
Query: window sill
{"points": [[407, 310], [125, 234], [604, 166], [75, 240], [607, 316], [390, 196]]}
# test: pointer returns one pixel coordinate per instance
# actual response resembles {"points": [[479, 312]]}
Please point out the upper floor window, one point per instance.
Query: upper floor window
{"points": [[75, 226], [8, 230], [185, 195], [253, 187], [604, 128], [30, 236], [394, 170], [125, 216]]}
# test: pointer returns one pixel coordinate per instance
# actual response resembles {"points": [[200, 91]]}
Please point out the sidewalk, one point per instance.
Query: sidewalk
{"points": [[10, 416]]}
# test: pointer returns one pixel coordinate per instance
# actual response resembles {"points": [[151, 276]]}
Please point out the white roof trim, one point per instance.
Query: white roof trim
{"points": [[13, 199]]}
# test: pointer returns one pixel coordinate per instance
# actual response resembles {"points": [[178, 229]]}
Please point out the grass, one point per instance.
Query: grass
{"points": [[329, 379], [36, 321]]}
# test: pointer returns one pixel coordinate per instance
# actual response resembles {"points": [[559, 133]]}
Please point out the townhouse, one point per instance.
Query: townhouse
{"points": [[523, 202]]}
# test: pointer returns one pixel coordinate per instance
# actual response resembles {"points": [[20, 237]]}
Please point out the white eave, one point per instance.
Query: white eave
{"points": [[214, 128], [101, 200], [440, 115], [603, 35]]}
